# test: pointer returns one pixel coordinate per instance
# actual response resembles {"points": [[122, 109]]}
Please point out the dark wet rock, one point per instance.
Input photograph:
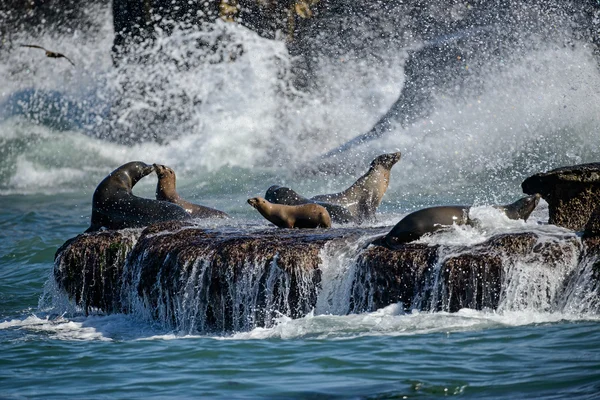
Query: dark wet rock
{"points": [[450, 278], [235, 279], [387, 276], [592, 226], [572, 193], [234, 282], [89, 268]]}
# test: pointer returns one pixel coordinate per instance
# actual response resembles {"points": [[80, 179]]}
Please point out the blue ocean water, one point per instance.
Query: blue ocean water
{"points": [[250, 131]]}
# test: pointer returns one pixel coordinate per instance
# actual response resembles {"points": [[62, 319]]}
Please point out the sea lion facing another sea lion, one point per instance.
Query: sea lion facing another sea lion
{"points": [[114, 206], [364, 196], [301, 216], [286, 196], [166, 191], [522, 208], [432, 219]]}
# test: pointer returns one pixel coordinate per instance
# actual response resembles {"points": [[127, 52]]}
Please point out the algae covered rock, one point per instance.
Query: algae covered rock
{"points": [[232, 279], [572, 193]]}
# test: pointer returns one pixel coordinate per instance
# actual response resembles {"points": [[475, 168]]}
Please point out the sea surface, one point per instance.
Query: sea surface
{"points": [[253, 129]]}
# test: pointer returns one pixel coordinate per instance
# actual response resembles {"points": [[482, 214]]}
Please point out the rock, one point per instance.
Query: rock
{"points": [[572, 193], [422, 277], [236, 279], [592, 226], [89, 268]]}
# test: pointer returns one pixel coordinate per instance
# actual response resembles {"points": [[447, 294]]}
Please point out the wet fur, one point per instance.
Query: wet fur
{"points": [[166, 191], [432, 219], [114, 206], [364, 196], [300, 216], [283, 195]]}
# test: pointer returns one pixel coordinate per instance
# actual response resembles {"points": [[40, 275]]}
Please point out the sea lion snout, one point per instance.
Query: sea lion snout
{"points": [[387, 160], [142, 168], [163, 170], [254, 202]]}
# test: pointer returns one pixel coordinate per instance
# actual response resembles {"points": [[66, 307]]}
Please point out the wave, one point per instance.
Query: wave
{"points": [[388, 321], [221, 105]]}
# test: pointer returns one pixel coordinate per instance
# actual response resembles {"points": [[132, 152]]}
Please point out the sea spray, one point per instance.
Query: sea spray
{"points": [[536, 281], [581, 293], [216, 284], [339, 277]]}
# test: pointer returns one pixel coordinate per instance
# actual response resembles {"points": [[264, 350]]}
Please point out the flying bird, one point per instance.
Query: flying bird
{"points": [[51, 54]]}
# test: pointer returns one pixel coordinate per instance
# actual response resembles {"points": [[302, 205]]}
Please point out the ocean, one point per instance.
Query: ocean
{"points": [[243, 128]]}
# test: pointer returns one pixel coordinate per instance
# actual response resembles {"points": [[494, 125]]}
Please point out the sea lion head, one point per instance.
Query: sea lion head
{"points": [[134, 170], [386, 160], [283, 195], [257, 202], [166, 185], [522, 208], [271, 193], [162, 171]]}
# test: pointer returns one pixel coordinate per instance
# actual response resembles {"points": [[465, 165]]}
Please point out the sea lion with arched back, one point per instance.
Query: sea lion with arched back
{"points": [[364, 196], [284, 195], [301, 216], [114, 206], [432, 219], [166, 191]]}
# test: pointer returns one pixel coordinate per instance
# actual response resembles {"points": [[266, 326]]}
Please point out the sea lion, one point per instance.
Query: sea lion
{"points": [[166, 191], [284, 195], [50, 54], [364, 196], [114, 206], [301, 216], [522, 208], [432, 219]]}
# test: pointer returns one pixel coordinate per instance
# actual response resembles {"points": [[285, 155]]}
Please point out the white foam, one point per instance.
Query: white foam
{"points": [[391, 321]]}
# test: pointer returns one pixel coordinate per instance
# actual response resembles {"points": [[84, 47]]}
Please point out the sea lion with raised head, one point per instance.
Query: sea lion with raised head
{"points": [[301, 216], [284, 195], [364, 196], [114, 206], [522, 208], [166, 191], [433, 219]]}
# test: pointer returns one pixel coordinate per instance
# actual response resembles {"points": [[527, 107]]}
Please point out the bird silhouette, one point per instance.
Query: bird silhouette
{"points": [[51, 54]]}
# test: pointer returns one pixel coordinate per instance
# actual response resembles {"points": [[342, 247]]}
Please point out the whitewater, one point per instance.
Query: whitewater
{"points": [[241, 126]]}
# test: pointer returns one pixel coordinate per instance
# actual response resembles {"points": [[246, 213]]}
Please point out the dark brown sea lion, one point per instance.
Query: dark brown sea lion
{"points": [[522, 208], [302, 216], [50, 54], [114, 206], [432, 219], [284, 195], [166, 191], [364, 196]]}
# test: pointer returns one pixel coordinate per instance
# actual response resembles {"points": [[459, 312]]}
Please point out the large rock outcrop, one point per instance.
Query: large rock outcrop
{"points": [[572, 193], [201, 280]]}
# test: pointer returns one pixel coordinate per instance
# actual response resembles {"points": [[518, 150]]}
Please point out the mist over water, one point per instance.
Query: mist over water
{"points": [[244, 115], [226, 109]]}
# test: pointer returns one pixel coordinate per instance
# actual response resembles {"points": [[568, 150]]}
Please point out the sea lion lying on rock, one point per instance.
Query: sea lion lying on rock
{"points": [[432, 219], [284, 195], [301, 216], [364, 196], [114, 206], [166, 191]]}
